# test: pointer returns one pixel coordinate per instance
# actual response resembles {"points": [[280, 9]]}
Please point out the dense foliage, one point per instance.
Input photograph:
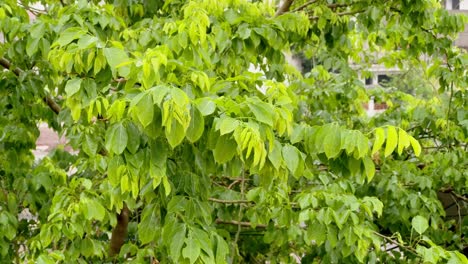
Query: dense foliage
{"points": [[197, 142]]}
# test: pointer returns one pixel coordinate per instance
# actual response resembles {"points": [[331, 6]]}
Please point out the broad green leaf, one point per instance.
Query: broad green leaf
{"points": [[69, 35], [225, 149], [116, 138], [379, 140], [146, 228], [133, 137], [222, 250], [332, 142], [73, 86], [420, 224], [90, 145], [196, 126], [275, 154], [206, 105], [263, 112], [191, 250], [392, 141], [116, 57], [145, 110], [415, 145], [227, 125], [176, 134], [291, 157]]}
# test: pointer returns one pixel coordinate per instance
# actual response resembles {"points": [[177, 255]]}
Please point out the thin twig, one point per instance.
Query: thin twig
{"points": [[305, 5], [229, 201], [389, 239], [347, 13], [239, 223]]}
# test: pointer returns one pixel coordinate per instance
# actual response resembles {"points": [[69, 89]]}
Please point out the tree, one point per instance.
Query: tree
{"points": [[187, 155]]}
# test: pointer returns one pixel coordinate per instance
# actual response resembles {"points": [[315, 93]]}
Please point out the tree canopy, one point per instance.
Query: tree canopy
{"points": [[198, 142]]}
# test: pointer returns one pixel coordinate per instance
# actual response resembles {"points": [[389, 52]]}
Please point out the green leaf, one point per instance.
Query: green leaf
{"points": [[369, 168], [225, 149], [145, 109], [176, 134], [275, 155], [332, 142], [420, 224], [291, 157], [73, 86], [379, 140], [263, 112], [392, 141], [133, 137], [146, 228], [69, 35], [403, 140], [227, 125], [196, 126], [90, 145], [191, 250], [116, 139], [116, 57], [205, 105], [415, 145]]}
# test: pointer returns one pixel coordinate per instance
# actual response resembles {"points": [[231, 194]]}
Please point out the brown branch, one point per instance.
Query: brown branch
{"points": [[305, 5], [229, 201], [284, 7], [239, 223], [347, 13], [17, 71], [393, 241]]}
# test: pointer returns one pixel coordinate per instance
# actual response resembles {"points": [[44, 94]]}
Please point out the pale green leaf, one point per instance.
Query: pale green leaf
{"points": [[191, 250], [205, 105], [379, 140], [415, 145], [263, 112], [403, 140], [369, 168], [420, 224], [392, 141], [73, 86], [228, 125], [291, 157], [332, 142]]}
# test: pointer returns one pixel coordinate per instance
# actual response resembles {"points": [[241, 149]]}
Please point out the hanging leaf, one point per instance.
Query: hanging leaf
{"points": [[116, 139], [392, 141], [225, 149], [420, 224], [291, 157], [196, 126], [379, 140]]}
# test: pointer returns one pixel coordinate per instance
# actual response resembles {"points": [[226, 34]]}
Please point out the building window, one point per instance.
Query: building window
{"points": [[383, 79], [452, 4], [369, 81]]}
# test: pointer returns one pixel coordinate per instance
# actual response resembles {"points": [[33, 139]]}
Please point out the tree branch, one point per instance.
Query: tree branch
{"points": [[239, 223], [347, 13], [229, 201], [17, 71], [284, 7], [393, 241], [302, 7]]}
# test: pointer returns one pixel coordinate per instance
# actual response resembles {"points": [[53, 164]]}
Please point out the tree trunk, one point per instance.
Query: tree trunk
{"points": [[120, 232]]}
